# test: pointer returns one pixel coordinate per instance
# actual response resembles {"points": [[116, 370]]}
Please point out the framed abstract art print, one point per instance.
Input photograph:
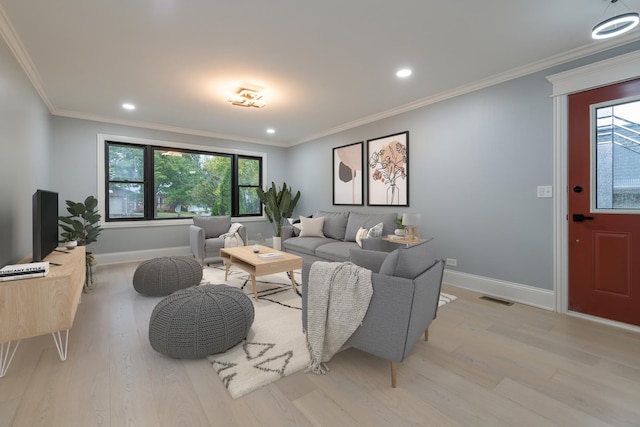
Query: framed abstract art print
{"points": [[348, 181], [388, 170]]}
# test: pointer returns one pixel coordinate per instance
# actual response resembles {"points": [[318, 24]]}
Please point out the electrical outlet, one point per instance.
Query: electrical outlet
{"points": [[452, 262]]}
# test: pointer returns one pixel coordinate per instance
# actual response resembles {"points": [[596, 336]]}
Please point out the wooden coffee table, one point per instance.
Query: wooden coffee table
{"points": [[244, 258]]}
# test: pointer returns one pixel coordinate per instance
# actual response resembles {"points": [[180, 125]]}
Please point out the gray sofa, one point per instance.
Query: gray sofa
{"points": [[406, 291], [340, 229]]}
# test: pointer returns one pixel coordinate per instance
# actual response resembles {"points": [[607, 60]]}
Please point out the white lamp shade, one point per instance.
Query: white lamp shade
{"points": [[411, 219]]}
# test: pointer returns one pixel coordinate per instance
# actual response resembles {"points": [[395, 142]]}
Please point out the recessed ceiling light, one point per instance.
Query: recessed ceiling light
{"points": [[405, 72], [271, 131], [128, 106]]}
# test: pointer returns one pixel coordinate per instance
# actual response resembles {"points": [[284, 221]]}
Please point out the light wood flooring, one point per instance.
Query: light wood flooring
{"points": [[484, 365]]}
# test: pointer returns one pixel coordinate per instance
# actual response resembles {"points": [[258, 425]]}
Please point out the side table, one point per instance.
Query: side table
{"points": [[403, 240]]}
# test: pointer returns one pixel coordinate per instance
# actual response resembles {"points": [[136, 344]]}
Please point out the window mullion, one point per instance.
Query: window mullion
{"points": [[149, 199]]}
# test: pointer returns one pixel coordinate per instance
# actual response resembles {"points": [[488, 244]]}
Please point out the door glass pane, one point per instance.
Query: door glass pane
{"points": [[618, 156]]}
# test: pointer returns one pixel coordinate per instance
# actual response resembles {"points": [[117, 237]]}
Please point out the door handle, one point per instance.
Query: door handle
{"points": [[581, 218]]}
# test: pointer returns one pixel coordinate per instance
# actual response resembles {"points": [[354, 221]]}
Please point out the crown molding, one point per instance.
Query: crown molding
{"points": [[515, 73], [17, 48]]}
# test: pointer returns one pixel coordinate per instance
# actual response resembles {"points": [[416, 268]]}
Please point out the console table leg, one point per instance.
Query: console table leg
{"points": [[5, 359], [62, 347]]}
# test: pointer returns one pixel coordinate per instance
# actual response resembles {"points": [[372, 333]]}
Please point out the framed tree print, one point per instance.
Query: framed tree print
{"points": [[348, 181], [388, 170]]}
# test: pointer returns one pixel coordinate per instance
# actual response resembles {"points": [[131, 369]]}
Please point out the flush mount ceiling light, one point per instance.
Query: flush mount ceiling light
{"points": [[616, 25], [128, 106], [405, 72], [247, 98]]}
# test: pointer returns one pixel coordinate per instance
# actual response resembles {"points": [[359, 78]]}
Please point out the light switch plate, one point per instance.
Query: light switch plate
{"points": [[545, 191]]}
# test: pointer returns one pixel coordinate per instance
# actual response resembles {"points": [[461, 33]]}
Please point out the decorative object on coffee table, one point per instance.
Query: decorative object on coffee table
{"points": [[202, 320], [162, 276]]}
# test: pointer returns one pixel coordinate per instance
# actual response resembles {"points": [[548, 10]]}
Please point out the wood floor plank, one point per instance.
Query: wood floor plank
{"points": [[545, 406], [321, 410], [484, 365]]}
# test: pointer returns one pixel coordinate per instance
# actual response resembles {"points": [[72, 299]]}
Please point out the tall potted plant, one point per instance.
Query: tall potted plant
{"points": [[278, 206], [82, 225]]}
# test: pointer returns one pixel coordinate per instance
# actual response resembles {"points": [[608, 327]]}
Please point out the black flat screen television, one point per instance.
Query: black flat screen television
{"points": [[45, 224]]}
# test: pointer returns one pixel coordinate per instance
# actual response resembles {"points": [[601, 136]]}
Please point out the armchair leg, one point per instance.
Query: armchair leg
{"points": [[394, 374], [426, 334]]}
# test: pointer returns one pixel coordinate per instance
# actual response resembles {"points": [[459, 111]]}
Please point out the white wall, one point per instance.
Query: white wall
{"points": [[25, 134]]}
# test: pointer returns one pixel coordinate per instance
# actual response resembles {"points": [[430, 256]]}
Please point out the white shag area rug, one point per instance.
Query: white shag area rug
{"points": [[275, 346]]}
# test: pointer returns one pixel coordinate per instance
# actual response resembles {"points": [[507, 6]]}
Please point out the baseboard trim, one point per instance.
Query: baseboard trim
{"points": [[536, 297], [143, 255]]}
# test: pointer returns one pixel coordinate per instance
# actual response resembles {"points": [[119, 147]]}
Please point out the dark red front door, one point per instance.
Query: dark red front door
{"points": [[604, 226]]}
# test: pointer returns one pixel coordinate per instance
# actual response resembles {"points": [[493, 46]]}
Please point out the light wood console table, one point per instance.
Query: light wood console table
{"points": [[42, 305]]}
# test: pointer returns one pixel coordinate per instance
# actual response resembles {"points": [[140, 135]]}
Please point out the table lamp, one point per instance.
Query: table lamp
{"points": [[411, 221]]}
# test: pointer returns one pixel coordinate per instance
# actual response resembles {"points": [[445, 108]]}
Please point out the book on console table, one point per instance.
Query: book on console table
{"points": [[24, 271]]}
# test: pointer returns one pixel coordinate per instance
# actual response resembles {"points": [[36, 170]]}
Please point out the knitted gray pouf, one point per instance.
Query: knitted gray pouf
{"points": [[199, 321], [162, 276]]}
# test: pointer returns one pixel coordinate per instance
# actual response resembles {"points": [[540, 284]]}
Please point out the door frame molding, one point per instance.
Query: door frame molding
{"points": [[602, 73]]}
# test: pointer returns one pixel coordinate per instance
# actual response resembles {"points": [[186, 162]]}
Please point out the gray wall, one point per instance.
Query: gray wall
{"points": [[25, 134], [75, 177], [475, 163]]}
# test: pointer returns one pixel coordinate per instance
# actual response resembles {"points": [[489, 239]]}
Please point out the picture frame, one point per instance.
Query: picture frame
{"points": [[348, 177], [388, 170]]}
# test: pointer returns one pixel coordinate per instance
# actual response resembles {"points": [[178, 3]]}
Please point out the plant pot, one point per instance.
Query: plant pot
{"points": [[277, 243], [71, 244], [400, 232]]}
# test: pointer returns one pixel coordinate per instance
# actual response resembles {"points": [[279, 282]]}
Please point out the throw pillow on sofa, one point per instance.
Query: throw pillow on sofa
{"points": [[361, 234], [311, 227], [335, 223], [376, 230]]}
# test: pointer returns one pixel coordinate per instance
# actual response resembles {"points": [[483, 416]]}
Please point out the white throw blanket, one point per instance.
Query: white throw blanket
{"points": [[232, 238], [338, 296]]}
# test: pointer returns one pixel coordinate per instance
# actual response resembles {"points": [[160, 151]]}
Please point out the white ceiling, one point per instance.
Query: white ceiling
{"points": [[324, 66]]}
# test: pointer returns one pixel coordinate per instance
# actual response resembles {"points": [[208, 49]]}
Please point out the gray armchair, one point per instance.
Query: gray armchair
{"points": [[204, 237], [406, 291]]}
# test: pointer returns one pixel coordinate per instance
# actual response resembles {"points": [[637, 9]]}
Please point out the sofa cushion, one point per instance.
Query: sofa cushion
{"points": [[305, 245], [213, 226], [311, 227], [335, 223], [357, 220], [409, 262], [336, 251]]}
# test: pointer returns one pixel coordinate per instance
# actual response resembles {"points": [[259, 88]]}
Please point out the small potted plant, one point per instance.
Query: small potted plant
{"points": [[83, 227], [400, 228]]}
